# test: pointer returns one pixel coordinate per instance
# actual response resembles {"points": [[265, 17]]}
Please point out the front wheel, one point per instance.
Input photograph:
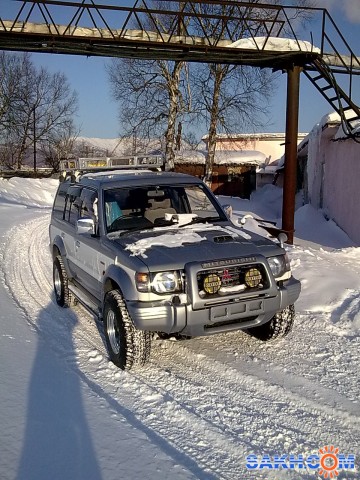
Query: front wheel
{"points": [[279, 326], [60, 278], [127, 345]]}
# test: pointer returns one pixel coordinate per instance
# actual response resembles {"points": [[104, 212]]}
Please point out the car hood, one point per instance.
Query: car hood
{"points": [[171, 248]]}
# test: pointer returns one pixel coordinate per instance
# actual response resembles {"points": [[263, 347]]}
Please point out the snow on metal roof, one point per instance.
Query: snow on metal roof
{"points": [[223, 157], [247, 136], [331, 119], [274, 43]]}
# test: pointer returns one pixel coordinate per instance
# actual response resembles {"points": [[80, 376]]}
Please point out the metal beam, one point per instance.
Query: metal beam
{"points": [[148, 48]]}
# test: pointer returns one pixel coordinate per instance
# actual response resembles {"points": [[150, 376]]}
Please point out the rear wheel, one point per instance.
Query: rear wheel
{"points": [[279, 326], [127, 345], [60, 278]]}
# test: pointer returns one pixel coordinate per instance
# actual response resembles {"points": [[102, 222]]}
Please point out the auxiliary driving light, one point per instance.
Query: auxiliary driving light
{"points": [[212, 283], [253, 277]]}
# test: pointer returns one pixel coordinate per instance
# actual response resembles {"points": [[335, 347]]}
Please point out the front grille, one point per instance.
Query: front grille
{"points": [[219, 282]]}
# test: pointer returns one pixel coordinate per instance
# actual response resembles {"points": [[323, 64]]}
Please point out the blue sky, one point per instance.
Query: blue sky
{"points": [[97, 115]]}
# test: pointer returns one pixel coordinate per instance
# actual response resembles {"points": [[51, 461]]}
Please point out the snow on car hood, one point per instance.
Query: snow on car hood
{"points": [[173, 247], [187, 235]]}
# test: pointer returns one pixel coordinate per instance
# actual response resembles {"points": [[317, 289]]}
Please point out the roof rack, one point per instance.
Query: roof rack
{"points": [[111, 163]]}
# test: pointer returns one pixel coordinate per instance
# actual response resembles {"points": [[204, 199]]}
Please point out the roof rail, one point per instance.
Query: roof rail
{"points": [[112, 163]]}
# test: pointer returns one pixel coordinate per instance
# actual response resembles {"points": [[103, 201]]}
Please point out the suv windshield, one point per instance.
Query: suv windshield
{"points": [[145, 207]]}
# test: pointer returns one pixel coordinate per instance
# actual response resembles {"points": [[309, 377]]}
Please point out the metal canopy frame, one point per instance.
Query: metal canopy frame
{"points": [[197, 31]]}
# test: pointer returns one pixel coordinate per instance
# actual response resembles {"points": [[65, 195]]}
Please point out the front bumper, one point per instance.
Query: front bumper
{"points": [[237, 314]]}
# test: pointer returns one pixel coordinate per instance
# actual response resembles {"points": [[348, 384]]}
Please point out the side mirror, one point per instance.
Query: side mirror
{"points": [[282, 237], [85, 225], [228, 210]]}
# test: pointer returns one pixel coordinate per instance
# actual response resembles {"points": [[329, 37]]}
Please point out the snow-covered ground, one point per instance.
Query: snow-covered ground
{"points": [[200, 406]]}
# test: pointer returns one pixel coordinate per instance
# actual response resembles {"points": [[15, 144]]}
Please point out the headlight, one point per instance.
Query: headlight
{"points": [[166, 282], [279, 265], [161, 282]]}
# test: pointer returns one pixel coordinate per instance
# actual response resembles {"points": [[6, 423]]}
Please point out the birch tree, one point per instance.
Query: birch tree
{"points": [[152, 94], [233, 98], [151, 98]]}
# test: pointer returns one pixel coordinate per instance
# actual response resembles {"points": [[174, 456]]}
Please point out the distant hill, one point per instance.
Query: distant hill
{"points": [[94, 147]]}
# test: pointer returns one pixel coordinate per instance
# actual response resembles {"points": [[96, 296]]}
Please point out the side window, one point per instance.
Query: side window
{"points": [[75, 210], [115, 203], [89, 204], [199, 202], [59, 202], [72, 204]]}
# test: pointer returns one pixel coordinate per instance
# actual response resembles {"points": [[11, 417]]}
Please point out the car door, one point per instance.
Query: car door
{"points": [[68, 232], [91, 262]]}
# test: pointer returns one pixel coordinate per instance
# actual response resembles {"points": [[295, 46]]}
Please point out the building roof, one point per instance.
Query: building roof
{"points": [[246, 136], [222, 157]]}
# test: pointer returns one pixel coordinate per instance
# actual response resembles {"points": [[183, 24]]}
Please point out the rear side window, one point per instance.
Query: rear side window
{"points": [[72, 204], [59, 202]]}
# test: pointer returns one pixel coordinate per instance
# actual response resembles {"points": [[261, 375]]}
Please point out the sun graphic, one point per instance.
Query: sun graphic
{"points": [[329, 461]]}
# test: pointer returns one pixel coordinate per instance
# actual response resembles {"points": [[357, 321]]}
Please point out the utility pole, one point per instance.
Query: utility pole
{"points": [[291, 139]]}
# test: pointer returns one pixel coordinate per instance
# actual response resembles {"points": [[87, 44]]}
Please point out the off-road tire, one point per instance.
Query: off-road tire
{"points": [[127, 346], [60, 280], [278, 327]]}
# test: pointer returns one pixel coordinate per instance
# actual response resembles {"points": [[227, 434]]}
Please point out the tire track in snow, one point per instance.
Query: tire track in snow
{"points": [[290, 399], [297, 389], [27, 271], [203, 404]]}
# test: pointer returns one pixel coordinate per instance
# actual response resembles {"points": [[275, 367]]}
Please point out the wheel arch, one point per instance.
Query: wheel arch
{"points": [[117, 278], [58, 248]]}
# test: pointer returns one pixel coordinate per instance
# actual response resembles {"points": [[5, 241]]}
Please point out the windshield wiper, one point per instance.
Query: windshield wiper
{"points": [[202, 220], [120, 233], [135, 229], [164, 223]]}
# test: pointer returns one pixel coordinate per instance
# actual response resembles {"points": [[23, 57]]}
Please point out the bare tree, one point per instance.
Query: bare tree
{"points": [[58, 145], [40, 104], [229, 97], [152, 94], [9, 151], [150, 98], [13, 70]]}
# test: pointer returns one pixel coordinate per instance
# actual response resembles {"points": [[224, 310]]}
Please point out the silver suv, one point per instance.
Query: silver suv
{"points": [[153, 251]]}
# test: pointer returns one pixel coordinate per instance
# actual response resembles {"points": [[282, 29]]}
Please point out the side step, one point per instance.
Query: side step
{"points": [[85, 301]]}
